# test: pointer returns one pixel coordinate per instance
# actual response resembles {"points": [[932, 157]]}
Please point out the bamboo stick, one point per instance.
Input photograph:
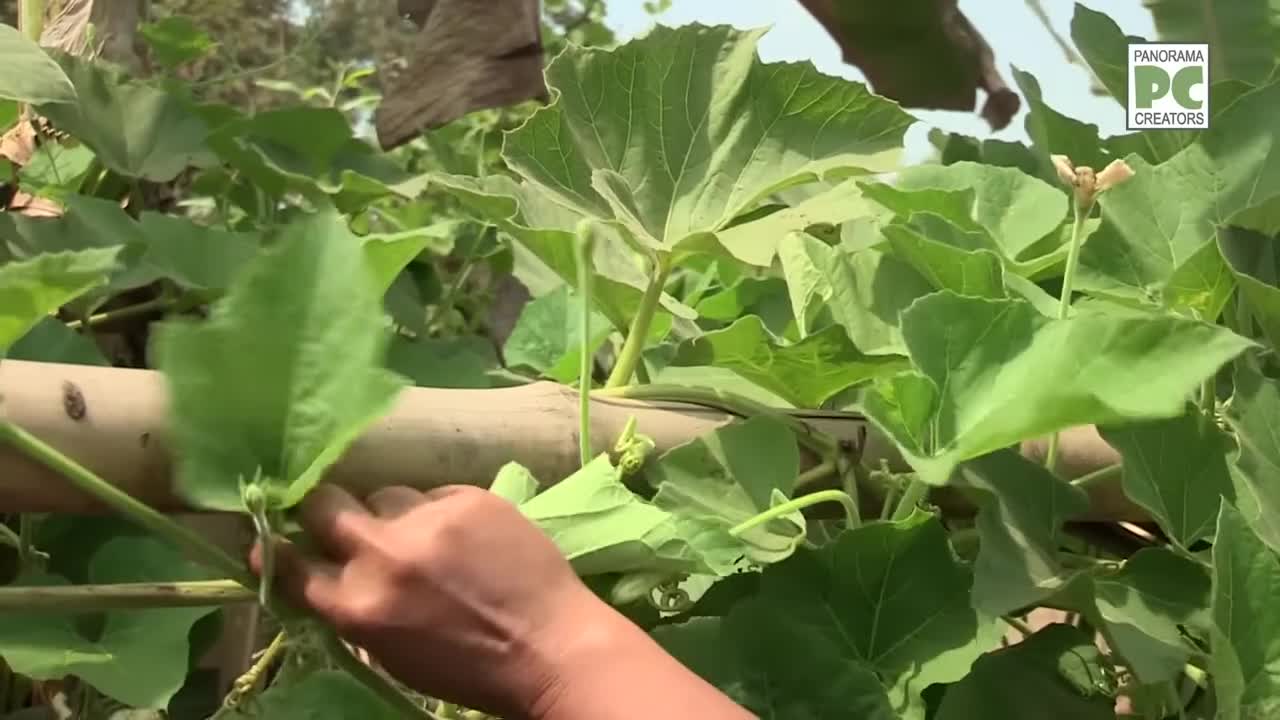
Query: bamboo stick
{"points": [[113, 421]]}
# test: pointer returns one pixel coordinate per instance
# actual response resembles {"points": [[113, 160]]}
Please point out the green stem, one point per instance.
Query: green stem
{"points": [[890, 501], [638, 334], [820, 443], [1064, 302], [198, 548], [584, 242], [817, 473], [164, 302], [126, 596], [917, 490], [800, 503], [26, 540], [121, 502], [1098, 477], [31, 19]]}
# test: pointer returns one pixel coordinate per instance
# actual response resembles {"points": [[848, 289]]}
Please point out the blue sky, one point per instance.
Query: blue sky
{"points": [[1014, 33]]}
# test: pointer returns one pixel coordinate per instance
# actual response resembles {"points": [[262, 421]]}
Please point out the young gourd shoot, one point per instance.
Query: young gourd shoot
{"points": [[691, 226]]}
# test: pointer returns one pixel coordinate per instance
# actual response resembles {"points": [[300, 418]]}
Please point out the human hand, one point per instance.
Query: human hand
{"points": [[453, 591]]}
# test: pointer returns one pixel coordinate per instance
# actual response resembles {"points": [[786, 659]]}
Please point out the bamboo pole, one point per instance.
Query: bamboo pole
{"points": [[113, 421]]}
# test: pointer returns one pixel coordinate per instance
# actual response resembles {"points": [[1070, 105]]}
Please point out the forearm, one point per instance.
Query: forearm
{"points": [[614, 671]]}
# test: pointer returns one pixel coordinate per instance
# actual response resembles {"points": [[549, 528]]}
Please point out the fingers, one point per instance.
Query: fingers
{"points": [[392, 502], [336, 521]]}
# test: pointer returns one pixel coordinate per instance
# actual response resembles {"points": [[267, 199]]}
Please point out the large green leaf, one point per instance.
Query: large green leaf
{"points": [[947, 267], [1254, 414], [1147, 604], [320, 694], [679, 132], [1003, 373], [1246, 650], [32, 289], [1176, 469], [729, 475], [886, 598], [547, 337], [805, 373], [603, 527], [756, 242], [461, 362], [135, 129], [1255, 266], [285, 374], [868, 290], [139, 657], [1166, 213], [1021, 510], [1056, 674], [50, 340], [30, 76], [1243, 36], [547, 229], [771, 675]]}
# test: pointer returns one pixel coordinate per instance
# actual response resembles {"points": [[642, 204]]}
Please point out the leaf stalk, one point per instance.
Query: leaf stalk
{"points": [[637, 335]]}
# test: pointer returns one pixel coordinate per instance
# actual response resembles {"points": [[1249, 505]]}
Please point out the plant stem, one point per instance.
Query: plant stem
{"points": [[26, 540], [199, 549], [638, 334], [125, 596], [31, 19], [163, 302], [800, 503], [817, 473], [917, 490], [1019, 625], [123, 503], [820, 443], [584, 242], [1064, 302], [1097, 477]]}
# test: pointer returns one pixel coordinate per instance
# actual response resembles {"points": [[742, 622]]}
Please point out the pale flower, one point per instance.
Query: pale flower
{"points": [[1113, 174]]}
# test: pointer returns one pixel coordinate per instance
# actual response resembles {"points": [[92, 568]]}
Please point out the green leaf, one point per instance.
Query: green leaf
{"points": [[978, 273], [388, 253], [804, 260], [1021, 510], [1146, 604], [765, 297], [55, 170], [772, 679], [1243, 36], [546, 229], [285, 374], [757, 242], [195, 257], [805, 374], [1253, 414], [52, 341], [322, 694], [886, 598], [1056, 674], [677, 133], [1053, 133], [602, 527], [30, 76], [133, 128], [548, 335], [32, 289], [988, 360], [1256, 269], [1106, 48], [514, 482], [725, 477], [140, 657], [869, 292], [1176, 469], [175, 40], [459, 362], [1245, 662]]}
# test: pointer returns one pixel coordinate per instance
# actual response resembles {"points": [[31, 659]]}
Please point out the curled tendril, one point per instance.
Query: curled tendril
{"points": [[632, 448], [670, 597]]}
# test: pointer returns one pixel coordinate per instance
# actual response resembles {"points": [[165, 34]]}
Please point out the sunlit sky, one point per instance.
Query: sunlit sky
{"points": [[1016, 36]]}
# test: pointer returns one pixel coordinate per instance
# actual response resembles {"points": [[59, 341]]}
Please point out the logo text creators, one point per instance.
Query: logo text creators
{"points": [[1168, 86]]}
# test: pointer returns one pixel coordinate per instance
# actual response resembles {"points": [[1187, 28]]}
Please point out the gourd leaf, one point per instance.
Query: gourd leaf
{"points": [[1001, 373], [32, 289], [1253, 415], [460, 362], [285, 374], [1246, 621], [1255, 269], [806, 373], [1176, 469], [138, 657], [320, 694], [50, 340], [1021, 511], [868, 622], [30, 75], [1057, 673], [725, 477], [1243, 36], [548, 336], [677, 133]]}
